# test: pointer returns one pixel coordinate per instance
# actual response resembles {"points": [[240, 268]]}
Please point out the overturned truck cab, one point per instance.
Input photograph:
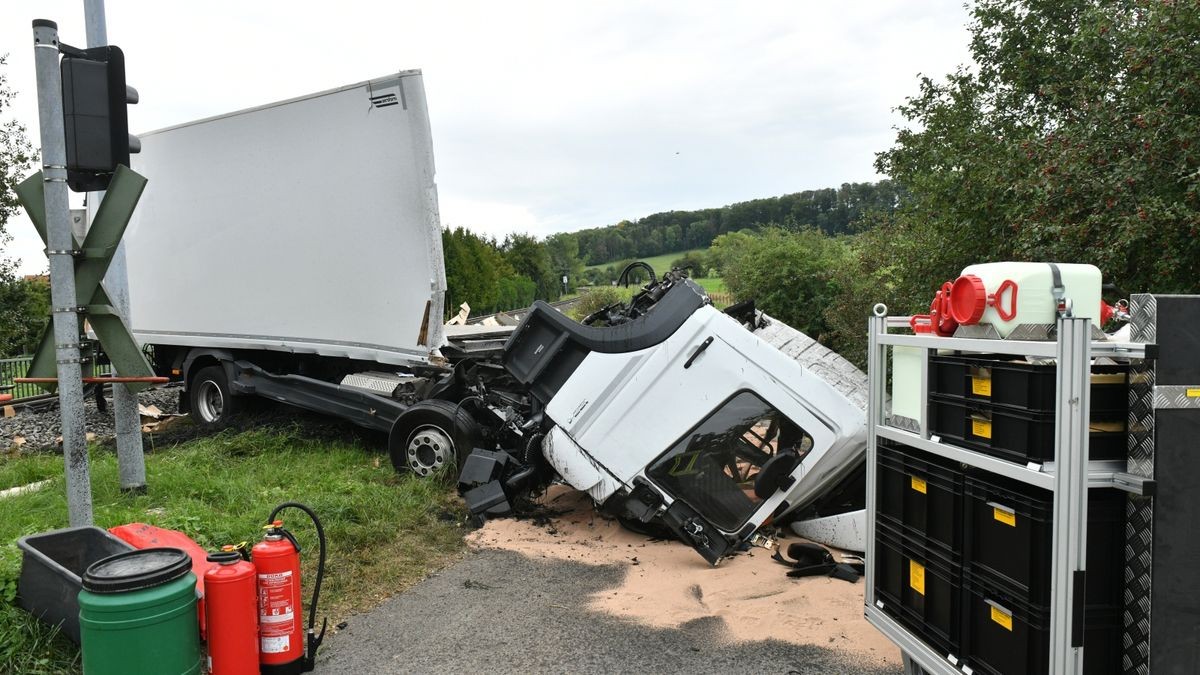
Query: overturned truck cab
{"points": [[667, 411]]}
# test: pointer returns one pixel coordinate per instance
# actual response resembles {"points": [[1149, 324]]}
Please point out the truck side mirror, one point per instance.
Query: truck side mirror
{"points": [[776, 474]]}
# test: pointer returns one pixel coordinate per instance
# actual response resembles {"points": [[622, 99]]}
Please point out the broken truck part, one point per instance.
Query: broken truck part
{"points": [[675, 413], [280, 272]]}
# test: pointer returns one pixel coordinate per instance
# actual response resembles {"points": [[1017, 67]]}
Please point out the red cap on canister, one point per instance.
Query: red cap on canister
{"points": [[1106, 312], [968, 299]]}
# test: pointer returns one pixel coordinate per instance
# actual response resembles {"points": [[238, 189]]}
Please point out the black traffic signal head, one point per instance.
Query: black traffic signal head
{"points": [[95, 97]]}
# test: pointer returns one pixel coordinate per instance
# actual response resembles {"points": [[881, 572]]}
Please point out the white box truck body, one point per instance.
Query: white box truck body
{"points": [[308, 226]]}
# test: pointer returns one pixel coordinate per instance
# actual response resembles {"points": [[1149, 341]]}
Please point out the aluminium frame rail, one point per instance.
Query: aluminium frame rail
{"points": [[1069, 477]]}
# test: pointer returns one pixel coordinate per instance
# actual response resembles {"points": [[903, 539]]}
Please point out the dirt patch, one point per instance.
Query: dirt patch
{"points": [[667, 584]]}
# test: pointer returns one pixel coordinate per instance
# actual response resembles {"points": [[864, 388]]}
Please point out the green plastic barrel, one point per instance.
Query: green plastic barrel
{"points": [[137, 615]]}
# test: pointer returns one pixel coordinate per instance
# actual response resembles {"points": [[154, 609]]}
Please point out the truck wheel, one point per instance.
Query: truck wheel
{"points": [[212, 401], [430, 436]]}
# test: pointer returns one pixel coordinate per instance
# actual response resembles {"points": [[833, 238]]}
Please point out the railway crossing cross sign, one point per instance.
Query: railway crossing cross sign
{"points": [[91, 262]]}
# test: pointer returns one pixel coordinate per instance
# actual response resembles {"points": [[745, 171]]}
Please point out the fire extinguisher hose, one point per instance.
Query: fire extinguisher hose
{"points": [[314, 639]]}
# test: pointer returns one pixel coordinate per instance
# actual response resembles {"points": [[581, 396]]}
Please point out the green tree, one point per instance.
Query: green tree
{"points": [[673, 237], [478, 273], [530, 259], [23, 311], [1074, 138], [564, 258], [726, 250], [832, 210], [469, 277], [789, 275], [515, 292], [698, 263], [16, 155]]}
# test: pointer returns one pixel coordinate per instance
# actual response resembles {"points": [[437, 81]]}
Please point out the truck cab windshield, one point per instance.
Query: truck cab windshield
{"points": [[713, 467]]}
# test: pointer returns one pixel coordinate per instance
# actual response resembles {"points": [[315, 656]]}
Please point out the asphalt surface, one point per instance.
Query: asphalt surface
{"points": [[501, 612]]}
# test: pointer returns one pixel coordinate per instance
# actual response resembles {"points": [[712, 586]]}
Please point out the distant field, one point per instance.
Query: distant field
{"points": [[712, 285], [660, 263]]}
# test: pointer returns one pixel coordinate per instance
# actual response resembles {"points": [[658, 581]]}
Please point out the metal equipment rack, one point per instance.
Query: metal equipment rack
{"points": [[1068, 477]]}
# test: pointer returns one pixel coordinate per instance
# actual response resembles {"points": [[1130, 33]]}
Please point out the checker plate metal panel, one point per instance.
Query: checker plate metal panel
{"points": [[1139, 514]]}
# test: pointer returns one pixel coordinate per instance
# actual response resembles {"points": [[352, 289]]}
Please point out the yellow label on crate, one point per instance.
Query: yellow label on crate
{"points": [[981, 428], [918, 484], [981, 386], [1193, 392], [916, 576], [1007, 517], [1002, 617]]}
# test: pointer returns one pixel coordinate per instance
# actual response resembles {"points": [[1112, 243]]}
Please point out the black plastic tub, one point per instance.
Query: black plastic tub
{"points": [[1008, 535], [1005, 634], [919, 587], [1016, 435], [1020, 384], [52, 568], [920, 493]]}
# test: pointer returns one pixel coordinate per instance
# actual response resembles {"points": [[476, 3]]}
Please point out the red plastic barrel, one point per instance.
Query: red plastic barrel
{"points": [[141, 535], [232, 615]]}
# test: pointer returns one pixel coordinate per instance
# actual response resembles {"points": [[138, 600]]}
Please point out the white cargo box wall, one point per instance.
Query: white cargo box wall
{"points": [[309, 225]]}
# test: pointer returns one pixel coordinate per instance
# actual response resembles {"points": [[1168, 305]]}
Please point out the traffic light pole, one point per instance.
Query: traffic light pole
{"points": [[131, 461], [60, 249]]}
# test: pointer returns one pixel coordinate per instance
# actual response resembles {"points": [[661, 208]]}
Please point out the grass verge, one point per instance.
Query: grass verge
{"points": [[385, 531]]}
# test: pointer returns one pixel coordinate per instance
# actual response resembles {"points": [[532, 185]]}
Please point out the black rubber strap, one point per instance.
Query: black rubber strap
{"points": [[1057, 289]]}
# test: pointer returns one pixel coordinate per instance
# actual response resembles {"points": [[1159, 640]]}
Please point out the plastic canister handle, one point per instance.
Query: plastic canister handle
{"points": [[997, 300]]}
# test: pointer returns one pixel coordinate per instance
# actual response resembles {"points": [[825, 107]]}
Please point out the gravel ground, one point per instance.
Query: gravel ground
{"points": [[40, 424], [502, 612]]}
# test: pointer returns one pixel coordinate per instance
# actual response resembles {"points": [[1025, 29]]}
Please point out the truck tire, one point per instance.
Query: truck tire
{"points": [[213, 404], [432, 437]]}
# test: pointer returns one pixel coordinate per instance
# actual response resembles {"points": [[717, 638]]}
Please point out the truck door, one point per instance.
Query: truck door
{"points": [[722, 473]]}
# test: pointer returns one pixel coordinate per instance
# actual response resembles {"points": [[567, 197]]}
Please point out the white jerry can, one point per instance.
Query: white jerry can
{"points": [[1007, 294]]}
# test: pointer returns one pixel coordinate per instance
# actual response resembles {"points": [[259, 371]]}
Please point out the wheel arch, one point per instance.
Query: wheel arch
{"points": [[202, 358]]}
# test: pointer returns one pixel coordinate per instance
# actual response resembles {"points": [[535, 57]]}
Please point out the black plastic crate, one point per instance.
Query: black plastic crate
{"points": [[919, 587], [1019, 384], [1008, 528], [52, 568], [1005, 634], [920, 493], [1016, 435]]}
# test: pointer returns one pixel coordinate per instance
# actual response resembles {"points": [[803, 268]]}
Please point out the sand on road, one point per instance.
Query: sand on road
{"points": [[667, 584]]}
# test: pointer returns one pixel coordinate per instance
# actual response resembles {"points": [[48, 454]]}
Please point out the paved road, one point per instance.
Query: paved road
{"points": [[502, 612]]}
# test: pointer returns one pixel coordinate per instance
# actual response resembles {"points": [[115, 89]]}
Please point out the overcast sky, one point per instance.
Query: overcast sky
{"points": [[548, 116]]}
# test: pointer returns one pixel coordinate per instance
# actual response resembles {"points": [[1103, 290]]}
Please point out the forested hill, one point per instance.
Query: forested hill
{"points": [[831, 210]]}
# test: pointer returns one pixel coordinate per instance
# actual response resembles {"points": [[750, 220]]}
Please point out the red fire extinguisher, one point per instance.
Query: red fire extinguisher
{"points": [[232, 595], [280, 613]]}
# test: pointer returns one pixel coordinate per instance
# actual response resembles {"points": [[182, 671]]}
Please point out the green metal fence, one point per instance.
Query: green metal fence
{"points": [[16, 367]]}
